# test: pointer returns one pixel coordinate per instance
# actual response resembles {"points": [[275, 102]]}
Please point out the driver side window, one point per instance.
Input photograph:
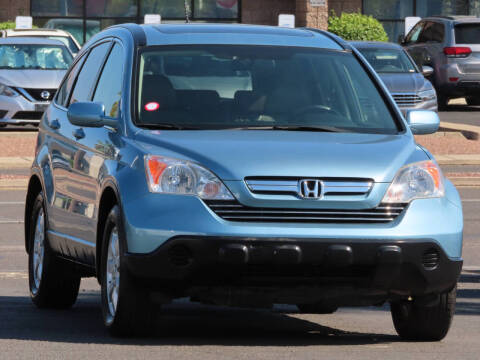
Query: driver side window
{"points": [[109, 87], [413, 35]]}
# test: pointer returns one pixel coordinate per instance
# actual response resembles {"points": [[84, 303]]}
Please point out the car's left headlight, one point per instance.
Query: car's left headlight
{"points": [[175, 176], [419, 180], [427, 95], [7, 91]]}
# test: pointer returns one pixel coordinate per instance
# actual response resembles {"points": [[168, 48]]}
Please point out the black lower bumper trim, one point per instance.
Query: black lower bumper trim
{"points": [[403, 266]]}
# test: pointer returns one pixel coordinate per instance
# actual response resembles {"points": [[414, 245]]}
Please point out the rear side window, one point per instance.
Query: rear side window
{"points": [[64, 91], [88, 74], [109, 88], [432, 32], [467, 34]]}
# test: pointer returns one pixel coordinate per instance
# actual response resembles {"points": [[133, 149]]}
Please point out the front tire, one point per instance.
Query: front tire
{"points": [[473, 100], [424, 322], [51, 283], [442, 102], [126, 307]]}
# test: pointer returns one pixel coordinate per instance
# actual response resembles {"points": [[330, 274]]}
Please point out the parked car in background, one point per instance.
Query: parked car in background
{"points": [[405, 81], [31, 70], [52, 34], [75, 27], [451, 45], [274, 170]]}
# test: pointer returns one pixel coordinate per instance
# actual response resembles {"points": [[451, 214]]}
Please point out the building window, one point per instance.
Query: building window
{"points": [[84, 18]]}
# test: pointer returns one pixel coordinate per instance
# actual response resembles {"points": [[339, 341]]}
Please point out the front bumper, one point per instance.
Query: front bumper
{"points": [[403, 267], [20, 111]]}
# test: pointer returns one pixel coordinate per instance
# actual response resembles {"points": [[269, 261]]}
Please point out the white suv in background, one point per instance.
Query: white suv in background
{"points": [[52, 34]]}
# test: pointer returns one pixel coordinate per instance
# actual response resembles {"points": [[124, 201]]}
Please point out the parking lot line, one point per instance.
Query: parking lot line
{"points": [[471, 200], [11, 221], [12, 203]]}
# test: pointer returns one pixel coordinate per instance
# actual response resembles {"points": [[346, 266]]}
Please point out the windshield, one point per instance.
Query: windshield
{"points": [[264, 87], [388, 60], [28, 56], [68, 43]]}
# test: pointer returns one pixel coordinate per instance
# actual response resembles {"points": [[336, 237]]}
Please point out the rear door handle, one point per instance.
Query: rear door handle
{"points": [[54, 124], [79, 134]]}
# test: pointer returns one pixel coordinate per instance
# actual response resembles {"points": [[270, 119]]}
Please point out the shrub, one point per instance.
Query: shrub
{"points": [[356, 26], [7, 25]]}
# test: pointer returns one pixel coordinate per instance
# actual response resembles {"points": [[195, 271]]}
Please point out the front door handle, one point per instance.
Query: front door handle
{"points": [[79, 134], [54, 124]]}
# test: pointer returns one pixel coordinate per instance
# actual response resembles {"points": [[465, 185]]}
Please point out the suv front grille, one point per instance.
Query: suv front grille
{"points": [[291, 186], [232, 210], [407, 99]]}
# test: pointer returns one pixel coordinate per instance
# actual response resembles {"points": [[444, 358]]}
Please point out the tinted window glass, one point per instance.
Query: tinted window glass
{"points": [[225, 9], [415, 33], [222, 86], [432, 32], [109, 88], [89, 72], [467, 34], [105, 8], [388, 60], [64, 91]]}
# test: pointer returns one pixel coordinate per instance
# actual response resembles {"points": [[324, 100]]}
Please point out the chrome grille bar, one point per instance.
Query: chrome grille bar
{"points": [[234, 211], [292, 186]]}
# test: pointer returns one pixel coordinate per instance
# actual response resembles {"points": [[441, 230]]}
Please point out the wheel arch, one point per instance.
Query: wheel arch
{"points": [[108, 200], [34, 188]]}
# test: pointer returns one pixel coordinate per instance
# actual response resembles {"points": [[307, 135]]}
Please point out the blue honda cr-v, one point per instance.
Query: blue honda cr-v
{"points": [[243, 166]]}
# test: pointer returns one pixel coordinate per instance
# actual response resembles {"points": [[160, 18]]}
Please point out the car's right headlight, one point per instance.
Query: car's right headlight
{"points": [[427, 95], [175, 176], [418, 180], [7, 91]]}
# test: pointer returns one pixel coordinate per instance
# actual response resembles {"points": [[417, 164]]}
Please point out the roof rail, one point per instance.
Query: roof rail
{"points": [[137, 32], [331, 36]]}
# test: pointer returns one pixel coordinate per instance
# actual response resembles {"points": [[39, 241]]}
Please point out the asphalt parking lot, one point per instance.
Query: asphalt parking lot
{"points": [[189, 330]]}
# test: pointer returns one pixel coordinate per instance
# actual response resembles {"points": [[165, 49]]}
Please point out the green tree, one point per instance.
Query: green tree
{"points": [[355, 26]]}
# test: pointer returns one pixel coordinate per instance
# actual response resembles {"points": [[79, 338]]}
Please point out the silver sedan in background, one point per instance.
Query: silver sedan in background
{"points": [[31, 70], [407, 84]]}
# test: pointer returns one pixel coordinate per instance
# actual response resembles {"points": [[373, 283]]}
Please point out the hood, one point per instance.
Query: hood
{"points": [[405, 82], [236, 154], [32, 79]]}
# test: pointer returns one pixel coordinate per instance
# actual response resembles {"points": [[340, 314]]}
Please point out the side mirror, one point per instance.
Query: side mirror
{"points": [[89, 114], [427, 70], [423, 122], [401, 39]]}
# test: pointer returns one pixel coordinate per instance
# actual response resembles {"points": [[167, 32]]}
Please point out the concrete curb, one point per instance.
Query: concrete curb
{"points": [[463, 159], [471, 132], [13, 184], [15, 162]]}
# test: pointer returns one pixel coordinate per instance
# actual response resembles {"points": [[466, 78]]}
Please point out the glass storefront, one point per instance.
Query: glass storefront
{"points": [[392, 13], [84, 18]]}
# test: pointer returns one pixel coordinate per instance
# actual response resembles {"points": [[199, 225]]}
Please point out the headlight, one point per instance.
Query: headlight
{"points": [[427, 95], [173, 176], [419, 180], [7, 91]]}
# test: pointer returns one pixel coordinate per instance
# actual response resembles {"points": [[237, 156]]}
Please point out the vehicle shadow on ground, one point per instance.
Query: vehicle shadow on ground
{"points": [[181, 324], [468, 299], [465, 108]]}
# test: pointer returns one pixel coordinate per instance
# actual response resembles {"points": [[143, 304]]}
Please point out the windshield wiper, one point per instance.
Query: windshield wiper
{"points": [[292, 128], [167, 126], [309, 128]]}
